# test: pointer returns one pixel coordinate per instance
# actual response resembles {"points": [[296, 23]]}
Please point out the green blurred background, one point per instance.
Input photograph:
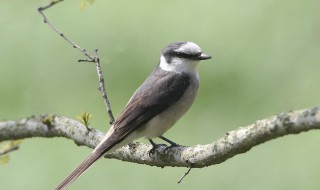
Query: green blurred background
{"points": [[265, 61]]}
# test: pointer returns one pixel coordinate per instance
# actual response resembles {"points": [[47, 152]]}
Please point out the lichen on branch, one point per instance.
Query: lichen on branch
{"points": [[232, 143]]}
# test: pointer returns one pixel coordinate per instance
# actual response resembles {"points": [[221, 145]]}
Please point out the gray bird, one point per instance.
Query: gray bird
{"points": [[155, 106]]}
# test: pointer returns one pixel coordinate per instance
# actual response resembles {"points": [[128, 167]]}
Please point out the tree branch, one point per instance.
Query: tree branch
{"points": [[233, 143]]}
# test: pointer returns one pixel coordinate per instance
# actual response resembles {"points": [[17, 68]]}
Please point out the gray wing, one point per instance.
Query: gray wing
{"points": [[158, 92]]}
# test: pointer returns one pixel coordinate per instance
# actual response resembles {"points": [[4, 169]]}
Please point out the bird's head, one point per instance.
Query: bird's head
{"points": [[182, 57]]}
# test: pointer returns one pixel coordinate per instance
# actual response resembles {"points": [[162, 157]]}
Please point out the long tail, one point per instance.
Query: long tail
{"points": [[95, 155], [112, 140], [103, 147]]}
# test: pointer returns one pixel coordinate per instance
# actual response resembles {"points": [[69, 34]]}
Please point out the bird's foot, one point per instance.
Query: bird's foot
{"points": [[155, 146], [172, 146]]}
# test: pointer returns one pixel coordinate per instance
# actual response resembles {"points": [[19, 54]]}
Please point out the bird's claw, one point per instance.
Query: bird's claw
{"points": [[154, 148], [171, 146]]}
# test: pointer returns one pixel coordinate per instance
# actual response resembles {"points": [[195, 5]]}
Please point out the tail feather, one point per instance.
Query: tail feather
{"points": [[95, 155], [112, 140]]}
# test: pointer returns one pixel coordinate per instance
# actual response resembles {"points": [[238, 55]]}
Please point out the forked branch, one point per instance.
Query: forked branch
{"points": [[91, 58]]}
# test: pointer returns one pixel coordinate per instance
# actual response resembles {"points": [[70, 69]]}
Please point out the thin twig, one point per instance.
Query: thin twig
{"points": [[92, 58], [9, 150], [102, 87], [85, 60], [49, 5], [184, 175], [45, 20]]}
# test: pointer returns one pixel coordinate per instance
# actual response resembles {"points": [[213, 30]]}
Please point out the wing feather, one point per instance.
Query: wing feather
{"points": [[159, 91]]}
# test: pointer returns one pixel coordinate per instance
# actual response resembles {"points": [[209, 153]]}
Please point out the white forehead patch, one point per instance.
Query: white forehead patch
{"points": [[189, 48]]}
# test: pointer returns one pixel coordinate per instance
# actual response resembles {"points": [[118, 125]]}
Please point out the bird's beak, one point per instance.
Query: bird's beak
{"points": [[204, 56]]}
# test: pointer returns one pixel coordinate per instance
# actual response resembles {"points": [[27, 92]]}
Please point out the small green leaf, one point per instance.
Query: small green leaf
{"points": [[5, 148], [16, 142], [84, 118], [48, 120], [83, 4], [4, 159]]}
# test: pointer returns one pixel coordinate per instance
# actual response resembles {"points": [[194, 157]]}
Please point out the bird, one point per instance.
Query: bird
{"points": [[166, 95]]}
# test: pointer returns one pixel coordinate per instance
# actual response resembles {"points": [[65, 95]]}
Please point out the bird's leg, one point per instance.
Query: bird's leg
{"points": [[169, 141], [154, 147], [172, 144]]}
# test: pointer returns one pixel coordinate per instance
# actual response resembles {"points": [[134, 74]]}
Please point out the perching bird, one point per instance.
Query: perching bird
{"points": [[155, 106]]}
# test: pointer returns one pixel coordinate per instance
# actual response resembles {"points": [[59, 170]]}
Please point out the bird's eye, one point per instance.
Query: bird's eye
{"points": [[187, 56], [180, 54]]}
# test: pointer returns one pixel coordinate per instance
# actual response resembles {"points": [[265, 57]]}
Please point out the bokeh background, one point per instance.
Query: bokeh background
{"points": [[266, 60]]}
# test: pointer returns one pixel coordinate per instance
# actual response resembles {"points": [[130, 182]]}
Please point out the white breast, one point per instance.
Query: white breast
{"points": [[165, 120]]}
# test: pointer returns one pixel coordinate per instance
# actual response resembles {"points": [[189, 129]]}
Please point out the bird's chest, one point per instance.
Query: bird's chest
{"points": [[165, 120]]}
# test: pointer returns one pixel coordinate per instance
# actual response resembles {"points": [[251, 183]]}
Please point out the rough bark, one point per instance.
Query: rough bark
{"points": [[232, 143]]}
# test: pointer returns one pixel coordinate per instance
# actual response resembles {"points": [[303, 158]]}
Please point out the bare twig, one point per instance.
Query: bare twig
{"points": [[9, 150], [45, 20], [184, 175], [49, 5], [232, 143], [102, 88], [85, 60], [92, 58]]}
